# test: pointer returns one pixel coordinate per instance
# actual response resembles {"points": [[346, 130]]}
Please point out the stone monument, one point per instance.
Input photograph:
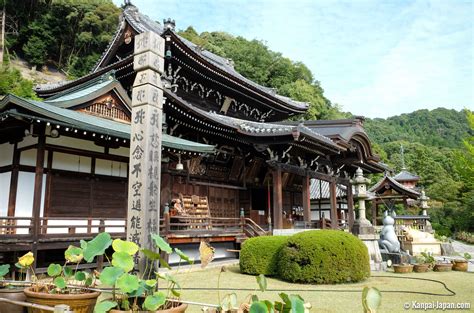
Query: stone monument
{"points": [[143, 213], [362, 227]]}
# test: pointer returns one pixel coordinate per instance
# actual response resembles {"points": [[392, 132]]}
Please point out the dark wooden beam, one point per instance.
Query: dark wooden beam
{"points": [[350, 205], [277, 199], [374, 212], [37, 191], [306, 199], [14, 181], [333, 200]]}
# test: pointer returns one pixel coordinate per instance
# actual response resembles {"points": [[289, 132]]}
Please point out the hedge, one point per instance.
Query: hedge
{"points": [[324, 256], [259, 255]]}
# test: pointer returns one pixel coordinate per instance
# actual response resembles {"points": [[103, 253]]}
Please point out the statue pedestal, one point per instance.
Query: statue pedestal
{"points": [[372, 243], [417, 247], [363, 227]]}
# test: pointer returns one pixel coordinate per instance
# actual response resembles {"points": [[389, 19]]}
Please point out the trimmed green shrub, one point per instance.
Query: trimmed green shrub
{"points": [[324, 256], [259, 255]]}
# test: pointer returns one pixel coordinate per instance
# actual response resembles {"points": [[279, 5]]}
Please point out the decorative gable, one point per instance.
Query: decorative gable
{"points": [[108, 106]]}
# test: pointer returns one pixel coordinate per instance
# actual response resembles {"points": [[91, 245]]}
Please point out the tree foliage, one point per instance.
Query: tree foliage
{"points": [[71, 34], [438, 147], [11, 81]]}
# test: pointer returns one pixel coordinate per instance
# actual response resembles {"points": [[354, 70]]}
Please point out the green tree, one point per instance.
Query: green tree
{"points": [[12, 82]]}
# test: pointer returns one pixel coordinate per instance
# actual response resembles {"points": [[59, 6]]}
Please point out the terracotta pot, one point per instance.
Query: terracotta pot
{"points": [[460, 265], [79, 303], [403, 268], [443, 267], [12, 294], [421, 268], [179, 309]]}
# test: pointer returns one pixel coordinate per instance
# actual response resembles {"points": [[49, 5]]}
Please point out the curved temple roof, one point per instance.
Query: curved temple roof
{"points": [[51, 113], [390, 181]]}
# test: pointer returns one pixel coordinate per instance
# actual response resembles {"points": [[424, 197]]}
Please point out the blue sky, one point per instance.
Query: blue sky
{"points": [[374, 58]]}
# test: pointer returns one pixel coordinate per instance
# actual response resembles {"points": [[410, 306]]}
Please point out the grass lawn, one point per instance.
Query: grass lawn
{"points": [[335, 298]]}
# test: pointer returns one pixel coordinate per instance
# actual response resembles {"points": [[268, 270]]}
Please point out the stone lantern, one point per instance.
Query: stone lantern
{"points": [[424, 202], [362, 225]]}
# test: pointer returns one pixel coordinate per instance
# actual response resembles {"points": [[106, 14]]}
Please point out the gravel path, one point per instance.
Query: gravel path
{"points": [[461, 248]]}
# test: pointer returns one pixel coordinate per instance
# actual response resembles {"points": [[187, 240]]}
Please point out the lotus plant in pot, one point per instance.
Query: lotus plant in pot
{"points": [[461, 264], [67, 284], [13, 289], [424, 263], [149, 291]]}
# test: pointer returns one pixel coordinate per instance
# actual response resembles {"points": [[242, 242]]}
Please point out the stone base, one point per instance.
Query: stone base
{"points": [[396, 258], [416, 248], [363, 228], [447, 249], [378, 267]]}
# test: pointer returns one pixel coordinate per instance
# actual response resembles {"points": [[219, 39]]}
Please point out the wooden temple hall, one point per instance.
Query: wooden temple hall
{"points": [[232, 165]]}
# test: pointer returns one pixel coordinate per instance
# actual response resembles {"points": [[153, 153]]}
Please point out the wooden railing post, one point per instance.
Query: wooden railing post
{"points": [[166, 221]]}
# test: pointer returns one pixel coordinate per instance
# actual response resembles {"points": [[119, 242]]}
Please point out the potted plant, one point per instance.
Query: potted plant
{"points": [[443, 266], [13, 290], [402, 268], [67, 284], [461, 264], [424, 263], [134, 292]]}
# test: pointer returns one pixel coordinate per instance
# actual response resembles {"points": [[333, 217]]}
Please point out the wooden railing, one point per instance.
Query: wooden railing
{"points": [[22, 228], [54, 227], [209, 225]]}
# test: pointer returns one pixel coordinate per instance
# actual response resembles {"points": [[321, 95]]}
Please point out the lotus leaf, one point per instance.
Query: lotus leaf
{"points": [[60, 282], [128, 283], [104, 306], [153, 302], [54, 269], [73, 254], [26, 260], [4, 269], [161, 243], [110, 274], [123, 260], [129, 247], [96, 246]]}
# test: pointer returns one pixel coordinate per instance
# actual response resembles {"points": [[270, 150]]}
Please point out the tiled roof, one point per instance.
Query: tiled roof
{"points": [[89, 122], [255, 128], [319, 189], [406, 176], [395, 185]]}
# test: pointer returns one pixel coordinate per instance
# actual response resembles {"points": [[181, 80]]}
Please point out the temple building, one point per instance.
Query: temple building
{"points": [[232, 165]]}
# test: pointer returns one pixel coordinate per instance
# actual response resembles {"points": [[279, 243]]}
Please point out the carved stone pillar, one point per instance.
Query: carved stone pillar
{"points": [[143, 214]]}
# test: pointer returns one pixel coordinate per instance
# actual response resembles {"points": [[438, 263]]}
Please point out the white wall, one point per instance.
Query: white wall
{"points": [[74, 143], [71, 162], [6, 154], [4, 192], [28, 157], [25, 192], [122, 151], [110, 168]]}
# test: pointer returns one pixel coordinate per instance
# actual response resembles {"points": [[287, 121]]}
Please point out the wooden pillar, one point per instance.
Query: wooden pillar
{"points": [[374, 212], [277, 199], [333, 199], [14, 181], [350, 205], [306, 199], [37, 192]]}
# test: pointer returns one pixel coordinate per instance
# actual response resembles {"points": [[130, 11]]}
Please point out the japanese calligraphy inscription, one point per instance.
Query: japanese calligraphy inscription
{"points": [[145, 142]]}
